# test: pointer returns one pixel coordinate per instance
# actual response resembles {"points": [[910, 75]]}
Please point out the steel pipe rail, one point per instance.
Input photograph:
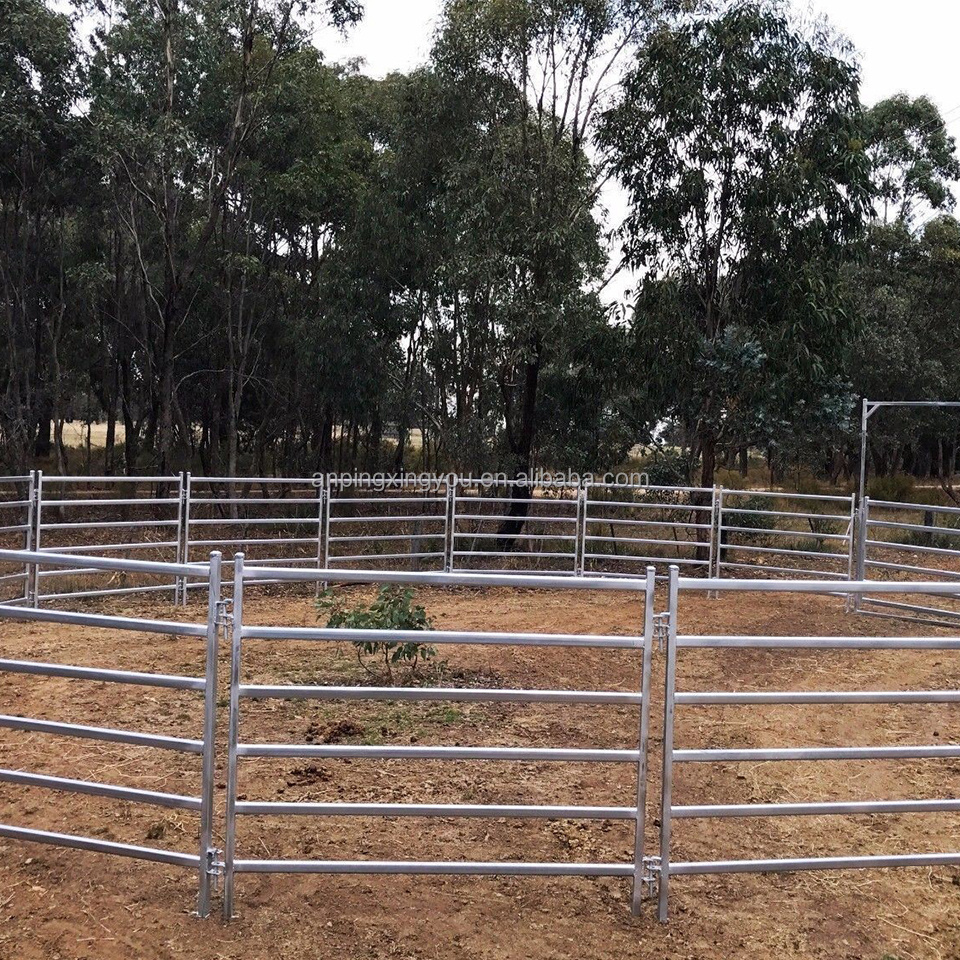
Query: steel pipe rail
{"points": [[457, 579], [170, 857], [453, 694], [453, 868], [105, 563], [814, 863], [166, 681], [347, 751], [832, 808], [449, 810], [172, 800]]}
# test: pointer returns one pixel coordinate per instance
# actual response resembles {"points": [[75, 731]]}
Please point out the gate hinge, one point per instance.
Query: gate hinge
{"points": [[225, 617], [214, 867], [661, 630], [651, 877]]}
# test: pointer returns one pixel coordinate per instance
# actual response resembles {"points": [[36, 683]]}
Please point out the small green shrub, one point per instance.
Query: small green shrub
{"points": [[895, 489], [393, 609], [738, 517]]}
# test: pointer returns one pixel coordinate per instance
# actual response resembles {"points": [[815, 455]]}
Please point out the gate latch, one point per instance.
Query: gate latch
{"points": [[225, 618], [651, 877], [661, 630], [214, 866]]}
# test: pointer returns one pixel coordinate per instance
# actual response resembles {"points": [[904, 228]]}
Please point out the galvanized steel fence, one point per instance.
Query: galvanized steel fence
{"points": [[202, 858], [240, 750], [739, 694], [648, 874]]}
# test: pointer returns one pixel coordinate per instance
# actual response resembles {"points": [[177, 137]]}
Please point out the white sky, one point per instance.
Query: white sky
{"points": [[904, 45]]}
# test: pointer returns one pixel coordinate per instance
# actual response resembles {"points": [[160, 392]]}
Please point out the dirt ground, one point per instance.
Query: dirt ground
{"points": [[65, 905]]}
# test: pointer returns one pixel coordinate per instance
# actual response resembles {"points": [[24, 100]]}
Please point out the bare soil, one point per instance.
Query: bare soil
{"points": [[60, 904]]}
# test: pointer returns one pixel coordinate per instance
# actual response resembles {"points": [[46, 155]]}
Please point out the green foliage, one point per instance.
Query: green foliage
{"points": [[667, 468], [739, 517], [896, 488], [393, 609], [739, 139]]}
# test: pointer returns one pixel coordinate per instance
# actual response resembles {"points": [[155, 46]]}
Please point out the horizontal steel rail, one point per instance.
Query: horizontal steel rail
{"points": [[428, 578], [832, 808], [451, 810], [106, 563], [171, 857], [527, 754], [499, 868], [107, 734], [166, 681], [453, 694], [171, 800], [814, 863], [505, 639]]}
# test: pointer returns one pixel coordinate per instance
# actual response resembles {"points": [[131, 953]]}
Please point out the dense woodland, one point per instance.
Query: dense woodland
{"points": [[254, 260]]}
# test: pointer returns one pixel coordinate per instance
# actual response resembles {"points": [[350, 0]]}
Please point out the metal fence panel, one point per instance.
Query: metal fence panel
{"points": [[516, 527], [386, 526], [674, 700], [626, 527], [240, 692], [910, 542], [106, 517], [204, 860], [789, 534], [276, 520]]}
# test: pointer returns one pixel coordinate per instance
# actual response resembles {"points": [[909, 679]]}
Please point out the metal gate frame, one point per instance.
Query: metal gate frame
{"points": [[204, 860], [637, 869], [666, 868]]}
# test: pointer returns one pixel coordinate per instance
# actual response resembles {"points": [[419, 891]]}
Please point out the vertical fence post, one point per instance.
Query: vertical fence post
{"points": [[578, 542], [207, 854], [180, 583], [448, 526], [233, 737], [185, 533], [328, 509], [860, 570], [717, 537], [451, 560], [714, 536], [642, 765], [28, 534], [321, 485], [666, 787], [36, 536]]}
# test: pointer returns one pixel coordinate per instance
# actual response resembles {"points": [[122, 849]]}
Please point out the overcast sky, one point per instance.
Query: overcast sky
{"points": [[904, 44], [908, 45]]}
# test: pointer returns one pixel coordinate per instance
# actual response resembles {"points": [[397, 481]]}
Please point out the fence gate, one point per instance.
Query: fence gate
{"points": [[909, 542], [203, 859], [735, 695], [516, 526], [242, 751]]}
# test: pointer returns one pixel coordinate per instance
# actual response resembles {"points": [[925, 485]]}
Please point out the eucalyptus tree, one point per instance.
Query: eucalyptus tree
{"points": [[177, 92], [740, 140], [39, 90], [913, 157]]}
